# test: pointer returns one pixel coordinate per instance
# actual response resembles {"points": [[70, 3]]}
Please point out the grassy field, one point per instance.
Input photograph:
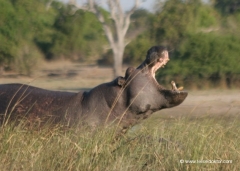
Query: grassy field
{"points": [[203, 133], [176, 144]]}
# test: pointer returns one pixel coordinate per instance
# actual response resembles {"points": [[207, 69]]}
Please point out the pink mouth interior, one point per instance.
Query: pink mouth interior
{"points": [[155, 68], [160, 64]]}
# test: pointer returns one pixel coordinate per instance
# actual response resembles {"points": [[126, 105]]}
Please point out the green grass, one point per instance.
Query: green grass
{"points": [[183, 138]]}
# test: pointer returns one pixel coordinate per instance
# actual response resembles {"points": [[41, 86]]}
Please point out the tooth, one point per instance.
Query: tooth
{"points": [[180, 88], [174, 87]]}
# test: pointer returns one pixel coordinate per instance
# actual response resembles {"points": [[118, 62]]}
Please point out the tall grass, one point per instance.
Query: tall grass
{"points": [[158, 144]]}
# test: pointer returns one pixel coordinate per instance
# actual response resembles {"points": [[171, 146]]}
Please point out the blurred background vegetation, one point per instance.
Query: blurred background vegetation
{"points": [[203, 38]]}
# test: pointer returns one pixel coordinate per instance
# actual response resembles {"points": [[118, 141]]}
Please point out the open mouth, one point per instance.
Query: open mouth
{"points": [[173, 84], [155, 68], [160, 63]]}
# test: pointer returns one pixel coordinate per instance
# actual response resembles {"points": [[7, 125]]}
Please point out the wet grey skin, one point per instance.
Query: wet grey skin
{"points": [[122, 102]]}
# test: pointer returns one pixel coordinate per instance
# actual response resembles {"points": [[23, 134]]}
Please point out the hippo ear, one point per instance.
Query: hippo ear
{"points": [[174, 98], [120, 81], [129, 71]]}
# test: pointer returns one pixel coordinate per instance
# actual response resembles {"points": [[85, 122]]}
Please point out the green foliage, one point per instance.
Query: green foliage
{"points": [[27, 58], [52, 32], [206, 17], [136, 51], [7, 32], [205, 57], [140, 19], [22, 23], [227, 7], [177, 18], [78, 35]]}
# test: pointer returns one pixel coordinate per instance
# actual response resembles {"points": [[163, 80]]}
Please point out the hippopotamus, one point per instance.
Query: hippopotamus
{"points": [[122, 102]]}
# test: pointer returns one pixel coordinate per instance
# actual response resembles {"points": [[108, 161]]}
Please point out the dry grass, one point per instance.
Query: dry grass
{"points": [[180, 139]]}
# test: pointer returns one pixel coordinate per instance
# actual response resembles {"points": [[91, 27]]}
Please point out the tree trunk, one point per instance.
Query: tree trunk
{"points": [[1, 70], [117, 64]]}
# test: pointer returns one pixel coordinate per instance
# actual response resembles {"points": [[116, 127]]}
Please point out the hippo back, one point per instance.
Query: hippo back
{"points": [[18, 100]]}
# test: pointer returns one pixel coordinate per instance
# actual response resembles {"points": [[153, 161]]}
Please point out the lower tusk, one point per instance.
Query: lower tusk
{"points": [[180, 88], [174, 87]]}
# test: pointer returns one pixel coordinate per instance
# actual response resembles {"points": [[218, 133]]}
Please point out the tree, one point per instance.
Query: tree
{"points": [[7, 33], [116, 29], [175, 19], [21, 27], [78, 36], [227, 6]]}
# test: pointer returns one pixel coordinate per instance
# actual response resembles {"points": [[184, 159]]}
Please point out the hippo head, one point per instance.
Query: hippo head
{"points": [[145, 94]]}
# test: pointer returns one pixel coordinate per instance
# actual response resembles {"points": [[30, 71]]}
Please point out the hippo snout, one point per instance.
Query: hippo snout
{"points": [[174, 98]]}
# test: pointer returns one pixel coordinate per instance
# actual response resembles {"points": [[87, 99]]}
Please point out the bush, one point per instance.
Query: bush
{"points": [[27, 59], [205, 59], [22, 24], [136, 50], [78, 36]]}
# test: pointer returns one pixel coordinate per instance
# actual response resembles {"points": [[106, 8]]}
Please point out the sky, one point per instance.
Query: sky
{"points": [[148, 4], [127, 4]]}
